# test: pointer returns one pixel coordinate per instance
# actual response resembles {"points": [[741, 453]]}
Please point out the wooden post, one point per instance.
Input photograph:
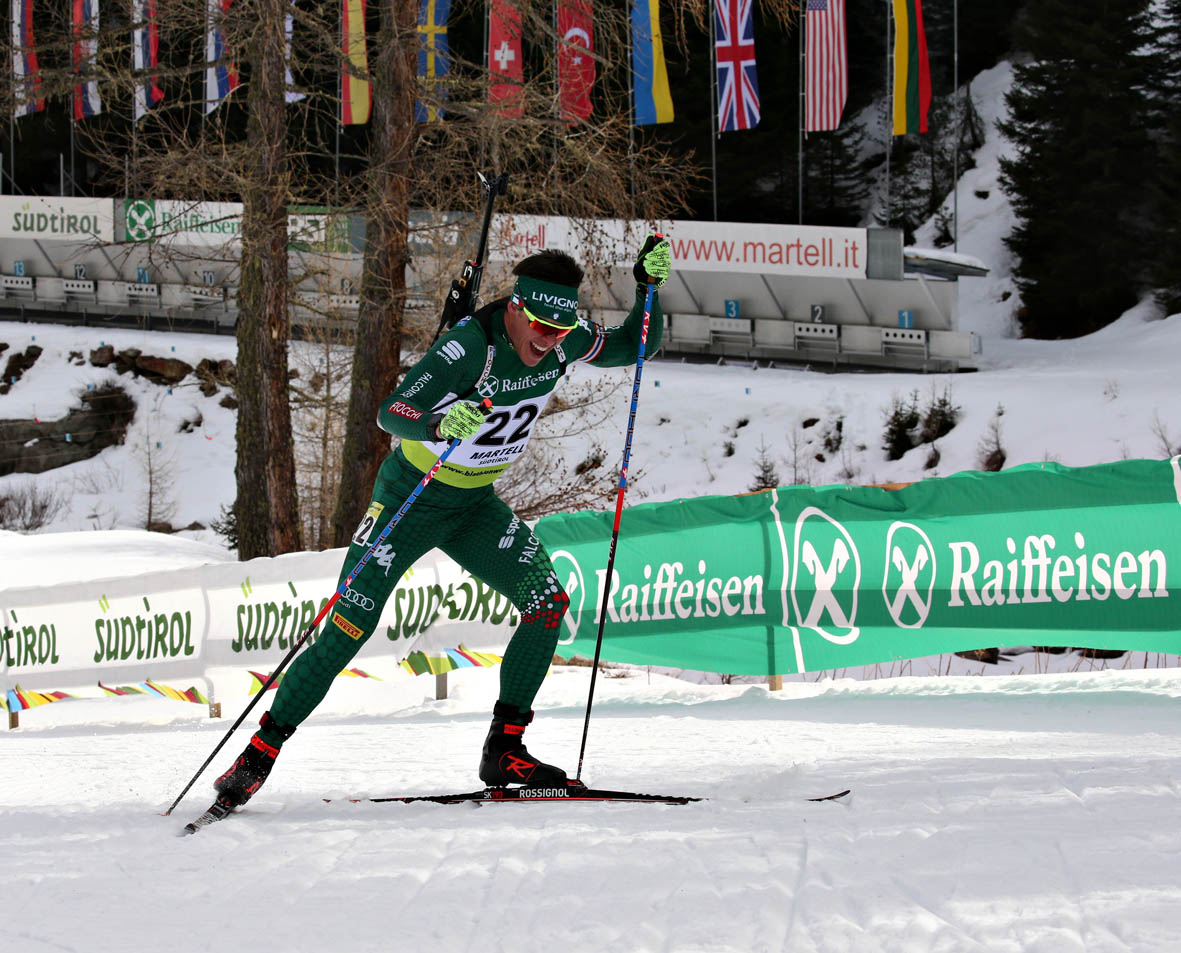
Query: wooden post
{"points": [[775, 683], [441, 685], [215, 709], [14, 719]]}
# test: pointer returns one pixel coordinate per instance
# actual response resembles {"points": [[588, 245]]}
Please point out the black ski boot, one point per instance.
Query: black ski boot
{"points": [[246, 775], [506, 760]]}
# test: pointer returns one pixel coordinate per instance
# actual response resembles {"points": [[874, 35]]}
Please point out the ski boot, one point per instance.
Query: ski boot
{"points": [[246, 775], [505, 759]]}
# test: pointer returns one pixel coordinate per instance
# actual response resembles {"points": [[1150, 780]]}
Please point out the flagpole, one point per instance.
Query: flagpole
{"points": [[802, 110], [959, 128], [890, 110], [631, 126], [713, 121]]}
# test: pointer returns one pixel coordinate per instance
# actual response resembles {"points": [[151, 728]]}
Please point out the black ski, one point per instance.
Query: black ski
{"points": [[832, 797], [216, 812]]}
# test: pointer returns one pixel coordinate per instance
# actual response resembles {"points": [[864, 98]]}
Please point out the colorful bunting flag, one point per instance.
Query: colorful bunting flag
{"points": [[912, 71], [734, 47], [825, 65], [576, 67], [145, 43], [26, 76], [506, 71], [21, 699], [356, 95], [84, 30], [434, 55], [419, 663], [651, 100], [221, 76]]}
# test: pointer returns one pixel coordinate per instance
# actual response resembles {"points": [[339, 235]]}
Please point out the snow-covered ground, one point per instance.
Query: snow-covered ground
{"points": [[1012, 815]]}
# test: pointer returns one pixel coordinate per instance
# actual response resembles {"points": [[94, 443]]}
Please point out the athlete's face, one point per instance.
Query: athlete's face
{"points": [[532, 340]]}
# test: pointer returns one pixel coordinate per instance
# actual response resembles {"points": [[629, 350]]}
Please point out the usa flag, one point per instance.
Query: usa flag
{"points": [[827, 81], [734, 46]]}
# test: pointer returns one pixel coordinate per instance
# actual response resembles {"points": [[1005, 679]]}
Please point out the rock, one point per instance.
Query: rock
{"points": [[163, 370], [103, 356]]}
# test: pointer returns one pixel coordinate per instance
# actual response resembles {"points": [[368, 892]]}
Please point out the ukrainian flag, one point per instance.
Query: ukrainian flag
{"points": [[651, 100]]}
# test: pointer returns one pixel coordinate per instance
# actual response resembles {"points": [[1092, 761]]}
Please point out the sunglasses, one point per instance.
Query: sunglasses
{"points": [[544, 327]]}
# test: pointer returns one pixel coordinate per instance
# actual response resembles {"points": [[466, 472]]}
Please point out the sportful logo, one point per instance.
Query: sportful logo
{"points": [[910, 568], [452, 351]]}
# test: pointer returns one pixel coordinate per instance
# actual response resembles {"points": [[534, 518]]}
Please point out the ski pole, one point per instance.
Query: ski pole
{"points": [[627, 452], [430, 475]]}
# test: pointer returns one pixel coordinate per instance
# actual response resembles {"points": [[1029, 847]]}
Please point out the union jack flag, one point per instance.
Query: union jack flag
{"points": [[734, 46]]}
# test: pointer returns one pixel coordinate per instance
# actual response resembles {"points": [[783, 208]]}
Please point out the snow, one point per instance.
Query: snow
{"points": [[1032, 812], [1006, 814]]}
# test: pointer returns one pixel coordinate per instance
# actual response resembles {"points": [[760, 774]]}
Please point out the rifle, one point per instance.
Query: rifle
{"points": [[465, 290]]}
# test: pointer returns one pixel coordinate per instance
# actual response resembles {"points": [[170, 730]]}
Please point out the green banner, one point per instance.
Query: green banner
{"points": [[808, 579]]}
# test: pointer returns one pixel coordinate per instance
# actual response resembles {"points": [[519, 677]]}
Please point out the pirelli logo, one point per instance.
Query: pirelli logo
{"points": [[352, 631]]}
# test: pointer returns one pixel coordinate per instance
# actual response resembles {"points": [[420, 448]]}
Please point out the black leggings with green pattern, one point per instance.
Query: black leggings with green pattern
{"points": [[475, 528]]}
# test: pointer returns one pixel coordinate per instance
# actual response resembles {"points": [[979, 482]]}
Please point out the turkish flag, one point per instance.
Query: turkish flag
{"points": [[505, 70], [576, 68]]}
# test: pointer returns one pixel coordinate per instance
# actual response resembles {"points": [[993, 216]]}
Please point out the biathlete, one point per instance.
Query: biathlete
{"points": [[513, 352]]}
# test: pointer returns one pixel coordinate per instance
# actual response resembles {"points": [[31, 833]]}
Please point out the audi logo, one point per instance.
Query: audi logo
{"points": [[359, 599]]}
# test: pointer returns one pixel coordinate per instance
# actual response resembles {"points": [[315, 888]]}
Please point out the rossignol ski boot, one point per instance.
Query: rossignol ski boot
{"points": [[506, 760], [246, 775]]}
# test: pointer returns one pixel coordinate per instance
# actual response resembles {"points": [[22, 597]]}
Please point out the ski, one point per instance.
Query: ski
{"points": [[215, 813], [495, 795], [571, 793]]}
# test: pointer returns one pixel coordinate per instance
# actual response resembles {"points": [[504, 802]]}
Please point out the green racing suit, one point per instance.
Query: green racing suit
{"points": [[459, 512]]}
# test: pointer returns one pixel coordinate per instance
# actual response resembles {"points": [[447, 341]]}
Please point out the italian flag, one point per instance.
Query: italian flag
{"points": [[912, 72]]}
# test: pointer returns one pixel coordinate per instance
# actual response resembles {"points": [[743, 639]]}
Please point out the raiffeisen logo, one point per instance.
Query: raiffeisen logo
{"points": [[1043, 569], [569, 574], [908, 583], [826, 577]]}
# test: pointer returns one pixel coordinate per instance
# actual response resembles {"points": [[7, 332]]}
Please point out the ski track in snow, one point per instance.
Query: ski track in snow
{"points": [[1009, 814]]}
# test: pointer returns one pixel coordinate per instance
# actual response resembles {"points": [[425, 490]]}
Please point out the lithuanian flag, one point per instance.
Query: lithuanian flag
{"points": [[912, 72]]}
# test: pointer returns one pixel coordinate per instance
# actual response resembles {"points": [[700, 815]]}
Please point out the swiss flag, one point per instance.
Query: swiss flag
{"points": [[576, 68], [505, 70]]}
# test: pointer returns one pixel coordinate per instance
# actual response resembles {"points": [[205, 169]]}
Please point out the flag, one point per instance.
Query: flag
{"points": [[26, 76], [576, 68], [434, 55], [356, 95], [504, 57], [221, 77], [85, 34], [145, 54], [291, 94], [734, 47], [651, 100], [825, 65], [912, 72]]}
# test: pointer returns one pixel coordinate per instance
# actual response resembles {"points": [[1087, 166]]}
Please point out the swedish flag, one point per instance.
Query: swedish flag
{"points": [[434, 56]]}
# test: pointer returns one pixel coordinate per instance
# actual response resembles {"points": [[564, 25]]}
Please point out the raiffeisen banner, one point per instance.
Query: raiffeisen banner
{"points": [[808, 579], [219, 224], [696, 246]]}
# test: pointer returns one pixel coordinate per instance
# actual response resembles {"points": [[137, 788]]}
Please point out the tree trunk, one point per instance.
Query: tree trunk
{"points": [[266, 507], [377, 360]]}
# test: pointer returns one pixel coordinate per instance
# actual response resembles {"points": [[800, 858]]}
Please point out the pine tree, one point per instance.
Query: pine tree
{"points": [[1079, 118]]}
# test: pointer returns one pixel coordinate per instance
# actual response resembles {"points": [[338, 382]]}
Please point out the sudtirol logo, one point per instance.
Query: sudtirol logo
{"points": [[570, 576], [825, 556], [908, 583], [452, 351], [140, 218]]}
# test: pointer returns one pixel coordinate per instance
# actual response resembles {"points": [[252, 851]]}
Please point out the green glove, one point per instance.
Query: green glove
{"points": [[654, 262], [463, 420]]}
